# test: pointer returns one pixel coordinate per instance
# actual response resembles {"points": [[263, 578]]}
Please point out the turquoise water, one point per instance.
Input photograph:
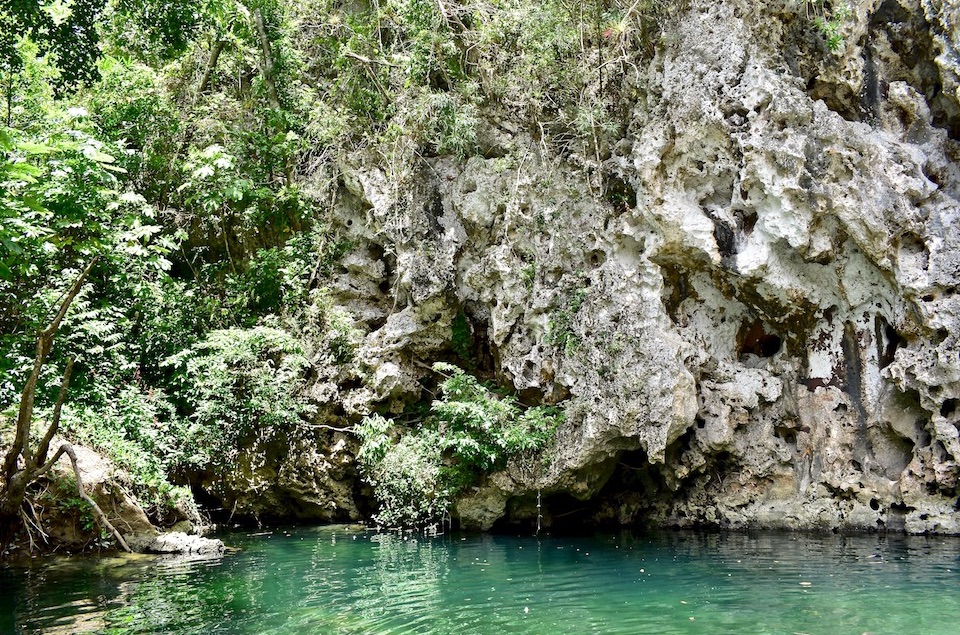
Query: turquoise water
{"points": [[341, 580]]}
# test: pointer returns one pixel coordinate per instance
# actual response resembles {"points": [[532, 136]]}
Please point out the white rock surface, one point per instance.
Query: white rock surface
{"points": [[760, 328]]}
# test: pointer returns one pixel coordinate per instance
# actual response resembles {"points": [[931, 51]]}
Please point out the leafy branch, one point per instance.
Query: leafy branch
{"points": [[469, 431]]}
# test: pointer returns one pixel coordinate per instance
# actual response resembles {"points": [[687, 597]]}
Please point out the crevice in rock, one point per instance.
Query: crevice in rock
{"points": [[748, 220], [389, 260], [726, 237], [619, 193], [433, 210], [755, 338], [900, 45], [851, 346], [676, 289], [624, 501], [910, 39], [870, 97], [786, 431], [853, 367], [887, 339], [211, 506], [597, 257], [948, 408], [470, 346], [837, 97]]}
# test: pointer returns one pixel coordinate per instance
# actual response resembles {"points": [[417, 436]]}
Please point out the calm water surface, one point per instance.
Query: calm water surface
{"points": [[339, 580]]}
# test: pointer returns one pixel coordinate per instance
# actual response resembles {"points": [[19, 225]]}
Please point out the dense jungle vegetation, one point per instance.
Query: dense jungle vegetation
{"points": [[180, 160]]}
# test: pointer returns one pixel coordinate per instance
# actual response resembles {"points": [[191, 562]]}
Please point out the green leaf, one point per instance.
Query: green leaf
{"points": [[11, 246], [23, 172], [31, 148], [34, 204], [203, 172], [94, 154]]}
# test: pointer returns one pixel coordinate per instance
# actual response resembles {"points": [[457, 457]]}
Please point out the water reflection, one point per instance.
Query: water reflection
{"points": [[343, 580]]}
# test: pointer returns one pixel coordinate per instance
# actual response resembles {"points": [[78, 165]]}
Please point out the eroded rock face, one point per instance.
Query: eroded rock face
{"points": [[307, 475], [748, 305]]}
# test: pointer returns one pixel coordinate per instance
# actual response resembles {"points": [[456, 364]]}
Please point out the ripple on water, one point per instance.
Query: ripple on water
{"points": [[343, 581]]}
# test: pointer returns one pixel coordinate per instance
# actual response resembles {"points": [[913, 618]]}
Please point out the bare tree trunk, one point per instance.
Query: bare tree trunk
{"points": [[54, 426], [16, 480], [28, 476], [67, 449], [267, 58], [25, 414], [210, 67]]}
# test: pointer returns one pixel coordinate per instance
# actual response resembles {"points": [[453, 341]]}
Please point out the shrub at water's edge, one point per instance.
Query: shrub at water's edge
{"points": [[417, 468]]}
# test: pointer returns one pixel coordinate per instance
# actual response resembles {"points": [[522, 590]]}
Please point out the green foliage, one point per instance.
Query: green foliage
{"points": [[277, 279], [142, 435], [330, 328], [219, 161], [470, 430], [461, 338], [260, 289], [529, 275], [236, 385], [173, 316], [168, 25], [29, 89], [450, 127], [560, 328], [62, 497], [828, 19], [407, 476], [213, 181], [63, 202], [399, 67], [66, 31], [131, 110]]}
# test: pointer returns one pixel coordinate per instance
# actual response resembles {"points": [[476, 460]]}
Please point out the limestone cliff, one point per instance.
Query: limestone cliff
{"points": [[746, 297]]}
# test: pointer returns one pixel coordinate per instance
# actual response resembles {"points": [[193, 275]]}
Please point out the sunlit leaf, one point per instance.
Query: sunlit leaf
{"points": [[203, 172]]}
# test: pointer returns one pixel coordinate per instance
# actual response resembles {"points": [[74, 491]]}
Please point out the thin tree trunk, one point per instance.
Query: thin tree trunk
{"points": [[210, 67], [267, 58], [54, 426], [28, 476], [67, 449], [27, 397], [16, 480]]}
